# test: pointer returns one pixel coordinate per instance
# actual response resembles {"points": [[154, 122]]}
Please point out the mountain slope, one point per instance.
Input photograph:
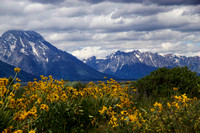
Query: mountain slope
{"points": [[8, 71], [136, 64], [33, 54]]}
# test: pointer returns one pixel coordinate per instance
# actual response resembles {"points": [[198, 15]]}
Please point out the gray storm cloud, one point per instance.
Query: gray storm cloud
{"points": [[47, 1], [159, 2], [77, 26]]}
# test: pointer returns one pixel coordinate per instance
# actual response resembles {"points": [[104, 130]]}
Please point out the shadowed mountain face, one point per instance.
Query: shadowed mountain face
{"points": [[8, 71], [136, 64], [29, 51]]}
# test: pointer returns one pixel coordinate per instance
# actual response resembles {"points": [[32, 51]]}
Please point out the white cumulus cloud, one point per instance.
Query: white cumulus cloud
{"points": [[87, 52], [105, 26]]}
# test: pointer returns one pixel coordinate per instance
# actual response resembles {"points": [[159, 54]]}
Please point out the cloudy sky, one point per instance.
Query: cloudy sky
{"points": [[99, 27]]}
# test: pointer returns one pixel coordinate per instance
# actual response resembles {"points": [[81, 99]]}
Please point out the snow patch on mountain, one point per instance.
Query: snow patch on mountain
{"points": [[12, 47], [26, 34], [121, 66], [139, 57], [33, 48], [22, 42], [23, 51], [43, 46]]}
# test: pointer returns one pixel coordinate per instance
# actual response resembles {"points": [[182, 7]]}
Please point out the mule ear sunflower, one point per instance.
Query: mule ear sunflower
{"points": [[17, 70], [174, 88], [32, 131]]}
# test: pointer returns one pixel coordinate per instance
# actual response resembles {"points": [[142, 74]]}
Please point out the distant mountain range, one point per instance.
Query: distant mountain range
{"points": [[29, 51], [136, 64]]}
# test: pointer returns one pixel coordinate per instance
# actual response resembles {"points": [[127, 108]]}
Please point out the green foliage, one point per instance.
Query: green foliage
{"points": [[60, 117], [76, 84], [10, 80], [5, 118], [161, 82]]}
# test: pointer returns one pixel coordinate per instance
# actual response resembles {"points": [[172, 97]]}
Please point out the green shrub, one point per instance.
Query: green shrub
{"points": [[161, 82], [76, 84]]}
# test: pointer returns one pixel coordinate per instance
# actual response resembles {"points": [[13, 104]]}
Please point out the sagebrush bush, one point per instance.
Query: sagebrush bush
{"points": [[76, 84], [162, 81]]}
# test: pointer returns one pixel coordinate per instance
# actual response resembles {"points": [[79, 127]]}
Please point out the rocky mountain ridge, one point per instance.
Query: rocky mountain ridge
{"points": [[137, 64]]}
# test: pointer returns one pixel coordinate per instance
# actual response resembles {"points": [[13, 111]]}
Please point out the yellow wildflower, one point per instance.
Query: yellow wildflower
{"points": [[195, 98], [93, 121], [152, 109], [159, 105], [176, 105], [17, 70], [11, 94], [174, 88], [39, 100], [134, 90], [124, 112], [32, 111], [120, 106], [8, 130], [169, 105], [133, 117], [50, 77], [185, 98], [113, 121], [23, 115], [17, 79], [179, 98], [44, 107], [55, 97], [103, 110], [18, 131], [32, 131]]}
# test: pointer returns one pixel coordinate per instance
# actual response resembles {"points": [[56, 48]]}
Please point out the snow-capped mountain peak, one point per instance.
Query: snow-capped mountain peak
{"points": [[33, 54], [25, 43]]}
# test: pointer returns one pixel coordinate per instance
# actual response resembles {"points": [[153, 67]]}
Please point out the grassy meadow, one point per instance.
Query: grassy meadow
{"points": [[51, 106]]}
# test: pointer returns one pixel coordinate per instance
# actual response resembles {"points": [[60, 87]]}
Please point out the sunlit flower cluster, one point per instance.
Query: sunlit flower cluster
{"points": [[50, 103]]}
